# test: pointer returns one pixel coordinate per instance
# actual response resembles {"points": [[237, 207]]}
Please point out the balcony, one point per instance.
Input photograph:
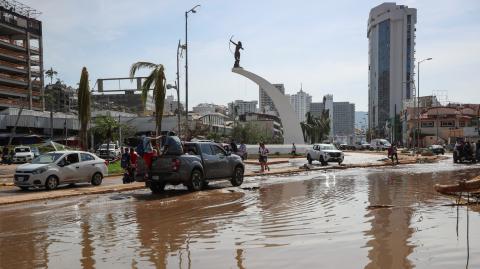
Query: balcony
{"points": [[12, 68], [5, 102], [10, 46], [13, 80], [17, 92]]}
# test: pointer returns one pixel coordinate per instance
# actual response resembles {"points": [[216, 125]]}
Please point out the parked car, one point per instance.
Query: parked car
{"points": [[343, 146], [22, 154], [437, 149], [200, 163], [60, 167], [462, 155], [379, 144], [108, 152], [35, 151], [324, 153]]}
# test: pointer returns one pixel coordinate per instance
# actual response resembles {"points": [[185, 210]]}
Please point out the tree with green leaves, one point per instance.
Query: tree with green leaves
{"points": [[83, 108], [157, 80], [107, 128], [316, 129]]}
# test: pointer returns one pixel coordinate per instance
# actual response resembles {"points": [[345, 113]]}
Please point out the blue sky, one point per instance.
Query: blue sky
{"points": [[319, 44]]}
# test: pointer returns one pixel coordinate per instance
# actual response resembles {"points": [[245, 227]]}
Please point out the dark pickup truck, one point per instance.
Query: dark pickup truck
{"points": [[200, 163]]}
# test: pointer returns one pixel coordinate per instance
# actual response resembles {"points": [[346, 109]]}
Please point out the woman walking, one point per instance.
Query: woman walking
{"points": [[263, 157]]}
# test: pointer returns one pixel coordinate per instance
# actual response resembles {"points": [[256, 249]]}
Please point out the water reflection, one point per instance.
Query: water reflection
{"points": [[301, 221], [390, 227]]}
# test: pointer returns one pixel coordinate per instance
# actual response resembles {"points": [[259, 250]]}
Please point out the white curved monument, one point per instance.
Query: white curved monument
{"points": [[292, 132]]}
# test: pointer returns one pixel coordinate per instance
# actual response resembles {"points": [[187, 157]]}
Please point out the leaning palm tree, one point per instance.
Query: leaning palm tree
{"points": [[83, 108], [158, 81]]}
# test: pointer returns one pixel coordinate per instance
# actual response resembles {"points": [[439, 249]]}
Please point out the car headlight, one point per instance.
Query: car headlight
{"points": [[39, 171]]}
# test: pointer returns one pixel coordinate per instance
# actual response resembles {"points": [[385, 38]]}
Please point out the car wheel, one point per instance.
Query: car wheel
{"points": [[309, 159], [97, 179], [196, 181], [340, 162], [322, 161], [237, 178], [157, 187], [51, 183], [24, 188]]}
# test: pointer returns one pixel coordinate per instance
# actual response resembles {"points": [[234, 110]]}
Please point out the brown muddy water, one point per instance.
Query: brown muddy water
{"points": [[309, 220]]}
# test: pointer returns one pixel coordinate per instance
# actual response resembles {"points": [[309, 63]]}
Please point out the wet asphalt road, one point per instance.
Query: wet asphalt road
{"points": [[314, 219]]}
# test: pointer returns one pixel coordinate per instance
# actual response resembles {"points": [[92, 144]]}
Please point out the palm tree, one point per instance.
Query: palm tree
{"points": [[315, 129], [158, 81], [83, 108], [51, 73]]}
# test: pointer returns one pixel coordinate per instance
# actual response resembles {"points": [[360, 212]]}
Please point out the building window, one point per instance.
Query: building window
{"points": [[427, 124], [461, 124], [447, 124]]}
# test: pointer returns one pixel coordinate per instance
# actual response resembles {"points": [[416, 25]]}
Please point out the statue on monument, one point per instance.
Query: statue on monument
{"points": [[238, 46]]}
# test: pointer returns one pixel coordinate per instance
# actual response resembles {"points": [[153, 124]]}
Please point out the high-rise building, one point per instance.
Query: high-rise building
{"points": [[266, 103], [328, 105], [391, 38], [316, 109], [301, 104], [21, 57], [343, 118], [240, 107]]}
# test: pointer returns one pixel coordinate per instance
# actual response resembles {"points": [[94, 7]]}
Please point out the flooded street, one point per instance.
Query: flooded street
{"points": [[308, 220]]}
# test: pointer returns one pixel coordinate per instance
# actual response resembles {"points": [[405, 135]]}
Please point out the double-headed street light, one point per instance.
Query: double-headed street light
{"points": [[418, 99], [192, 10]]}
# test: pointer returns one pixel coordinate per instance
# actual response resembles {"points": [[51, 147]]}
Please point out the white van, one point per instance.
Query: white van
{"points": [[379, 144]]}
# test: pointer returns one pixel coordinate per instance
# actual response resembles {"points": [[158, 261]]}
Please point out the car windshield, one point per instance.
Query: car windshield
{"points": [[22, 149], [47, 158], [327, 147]]}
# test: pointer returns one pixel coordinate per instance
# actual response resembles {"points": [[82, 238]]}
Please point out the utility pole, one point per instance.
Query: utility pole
{"points": [[192, 10], [418, 98], [14, 129], [119, 131]]}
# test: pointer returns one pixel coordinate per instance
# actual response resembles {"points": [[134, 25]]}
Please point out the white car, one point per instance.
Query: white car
{"points": [[23, 154], [379, 144], [61, 167], [324, 153], [110, 154]]}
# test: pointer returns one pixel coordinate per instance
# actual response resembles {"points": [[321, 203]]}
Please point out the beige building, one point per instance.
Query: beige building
{"points": [[445, 124]]}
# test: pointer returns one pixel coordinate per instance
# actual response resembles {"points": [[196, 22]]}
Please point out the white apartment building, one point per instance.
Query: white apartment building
{"points": [[240, 107], [391, 47], [301, 104], [266, 103]]}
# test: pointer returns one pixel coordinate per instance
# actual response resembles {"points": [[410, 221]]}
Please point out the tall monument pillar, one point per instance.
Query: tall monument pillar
{"points": [[292, 132]]}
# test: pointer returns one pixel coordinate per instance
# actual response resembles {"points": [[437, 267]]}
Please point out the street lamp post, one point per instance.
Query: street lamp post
{"points": [[177, 88], [192, 10], [180, 47], [418, 100]]}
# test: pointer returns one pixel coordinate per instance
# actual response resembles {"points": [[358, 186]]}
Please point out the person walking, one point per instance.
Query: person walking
{"points": [[243, 151], [233, 145], [125, 164], [263, 157], [294, 150], [133, 164], [392, 153]]}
